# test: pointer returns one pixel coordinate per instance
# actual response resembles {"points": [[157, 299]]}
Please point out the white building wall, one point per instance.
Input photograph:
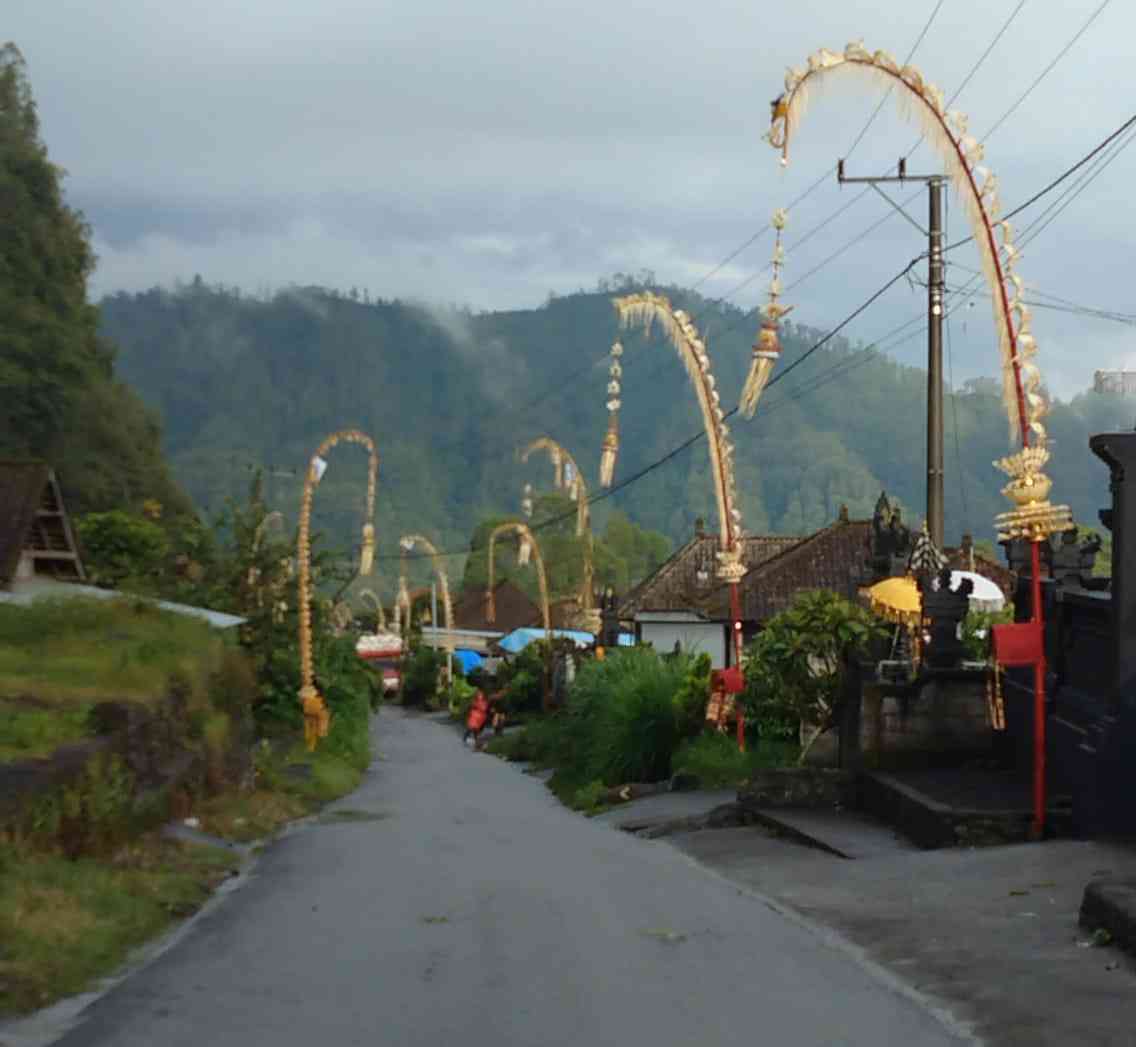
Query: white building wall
{"points": [[694, 637]]}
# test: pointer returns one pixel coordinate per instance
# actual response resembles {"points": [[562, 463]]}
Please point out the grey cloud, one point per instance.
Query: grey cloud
{"points": [[504, 150]]}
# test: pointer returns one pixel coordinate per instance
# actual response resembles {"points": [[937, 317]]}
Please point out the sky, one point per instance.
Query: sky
{"points": [[490, 154]]}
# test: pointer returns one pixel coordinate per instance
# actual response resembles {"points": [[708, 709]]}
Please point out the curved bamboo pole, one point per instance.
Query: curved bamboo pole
{"points": [[1034, 518], [253, 576], [407, 543], [377, 604], [317, 718], [962, 155], [578, 488], [646, 309], [525, 535]]}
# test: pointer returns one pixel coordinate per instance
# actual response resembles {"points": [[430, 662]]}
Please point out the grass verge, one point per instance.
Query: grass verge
{"points": [[288, 786], [714, 759], [65, 922]]}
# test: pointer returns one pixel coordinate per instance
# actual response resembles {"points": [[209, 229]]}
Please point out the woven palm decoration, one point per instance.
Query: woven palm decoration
{"points": [[610, 450], [767, 348], [925, 558]]}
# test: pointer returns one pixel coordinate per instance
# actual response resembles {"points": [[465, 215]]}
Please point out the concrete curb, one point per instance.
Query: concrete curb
{"points": [[1110, 905]]}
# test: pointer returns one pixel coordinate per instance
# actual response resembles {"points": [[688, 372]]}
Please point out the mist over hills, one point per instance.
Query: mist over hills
{"points": [[450, 395]]}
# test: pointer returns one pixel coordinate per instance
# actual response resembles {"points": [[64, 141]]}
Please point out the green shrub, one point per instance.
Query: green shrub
{"points": [[715, 760], [621, 724], [460, 698], [795, 667], [420, 675], [976, 631], [348, 686], [691, 698], [521, 679]]}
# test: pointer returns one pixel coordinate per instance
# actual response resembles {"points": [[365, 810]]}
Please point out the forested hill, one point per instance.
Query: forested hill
{"points": [[449, 396]]}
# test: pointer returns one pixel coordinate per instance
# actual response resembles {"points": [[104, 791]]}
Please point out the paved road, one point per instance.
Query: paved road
{"points": [[477, 911]]}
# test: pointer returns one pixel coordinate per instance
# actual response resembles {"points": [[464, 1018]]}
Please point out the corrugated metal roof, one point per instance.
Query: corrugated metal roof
{"points": [[26, 592]]}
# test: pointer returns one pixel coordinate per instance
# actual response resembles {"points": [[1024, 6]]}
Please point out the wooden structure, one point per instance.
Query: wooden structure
{"points": [[513, 605], [36, 539]]}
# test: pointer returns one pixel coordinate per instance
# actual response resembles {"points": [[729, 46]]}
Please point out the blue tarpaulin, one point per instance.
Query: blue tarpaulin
{"points": [[519, 639], [467, 659]]}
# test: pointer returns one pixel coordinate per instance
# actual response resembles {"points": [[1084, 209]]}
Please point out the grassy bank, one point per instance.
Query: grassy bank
{"points": [[58, 658], [65, 922], [83, 879]]}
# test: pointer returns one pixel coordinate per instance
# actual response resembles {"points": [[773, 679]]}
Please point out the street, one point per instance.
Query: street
{"points": [[453, 900]]}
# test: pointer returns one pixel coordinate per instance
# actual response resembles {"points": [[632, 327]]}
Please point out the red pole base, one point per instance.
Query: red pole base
{"points": [[1037, 829]]}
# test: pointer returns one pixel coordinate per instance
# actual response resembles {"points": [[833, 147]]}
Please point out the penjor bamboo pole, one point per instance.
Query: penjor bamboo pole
{"points": [[560, 454], [542, 581], [1034, 518], [317, 716]]}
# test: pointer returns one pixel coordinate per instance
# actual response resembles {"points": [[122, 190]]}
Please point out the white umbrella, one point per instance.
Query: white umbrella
{"points": [[986, 596]]}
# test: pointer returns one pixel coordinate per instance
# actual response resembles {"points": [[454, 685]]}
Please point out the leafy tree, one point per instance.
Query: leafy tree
{"points": [[49, 344], [796, 663], [60, 400], [118, 546]]}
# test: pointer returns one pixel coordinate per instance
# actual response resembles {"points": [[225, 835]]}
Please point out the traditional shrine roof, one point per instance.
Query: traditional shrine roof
{"points": [[513, 605], [829, 559], [675, 585]]}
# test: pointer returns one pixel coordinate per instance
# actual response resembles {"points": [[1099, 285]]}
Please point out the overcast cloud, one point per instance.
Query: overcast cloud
{"points": [[487, 154]]}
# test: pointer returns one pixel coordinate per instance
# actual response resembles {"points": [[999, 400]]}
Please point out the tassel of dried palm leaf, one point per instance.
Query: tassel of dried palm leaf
{"points": [[367, 557], [610, 452]]}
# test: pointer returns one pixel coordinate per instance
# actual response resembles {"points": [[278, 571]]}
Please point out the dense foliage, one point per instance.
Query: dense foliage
{"points": [[61, 399], [450, 396], [795, 667]]}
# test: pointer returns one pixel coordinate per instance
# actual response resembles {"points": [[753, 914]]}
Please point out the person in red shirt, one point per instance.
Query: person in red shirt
{"points": [[475, 721]]}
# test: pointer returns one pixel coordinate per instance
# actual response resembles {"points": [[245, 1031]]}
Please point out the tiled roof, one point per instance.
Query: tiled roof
{"points": [[829, 559], [513, 606], [675, 585]]}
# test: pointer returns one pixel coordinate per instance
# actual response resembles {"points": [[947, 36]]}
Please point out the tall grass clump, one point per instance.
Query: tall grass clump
{"points": [[623, 722]]}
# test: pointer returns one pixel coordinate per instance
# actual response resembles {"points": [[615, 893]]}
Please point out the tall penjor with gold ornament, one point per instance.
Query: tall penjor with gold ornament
{"points": [[526, 539], [1034, 518], [570, 476], [317, 717], [647, 309], [407, 543]]}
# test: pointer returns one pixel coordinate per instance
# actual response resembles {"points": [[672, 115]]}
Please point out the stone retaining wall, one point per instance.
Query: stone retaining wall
{"points": [[815, 787], [147, 758]]}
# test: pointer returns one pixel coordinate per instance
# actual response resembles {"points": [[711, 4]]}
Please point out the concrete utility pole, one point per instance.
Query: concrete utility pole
{"points": [[936, 285]]}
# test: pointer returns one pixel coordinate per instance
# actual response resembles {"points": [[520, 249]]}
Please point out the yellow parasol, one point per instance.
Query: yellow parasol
{"points": [[897, 600]]}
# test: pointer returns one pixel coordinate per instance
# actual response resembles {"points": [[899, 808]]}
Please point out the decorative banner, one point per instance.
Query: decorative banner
{"points": [[611, 438], [767, 348], [319, 467]]}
